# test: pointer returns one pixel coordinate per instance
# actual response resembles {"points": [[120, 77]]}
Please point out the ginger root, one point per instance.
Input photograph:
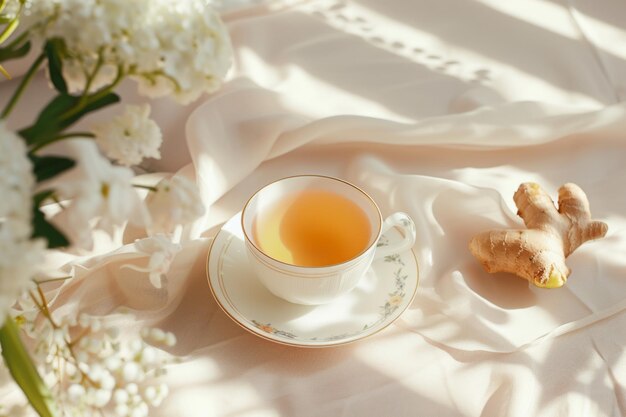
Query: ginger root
{"points": [[538, 253]]}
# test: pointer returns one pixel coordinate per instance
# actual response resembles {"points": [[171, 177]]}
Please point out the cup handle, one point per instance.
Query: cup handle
{"points": [[406, 224]]}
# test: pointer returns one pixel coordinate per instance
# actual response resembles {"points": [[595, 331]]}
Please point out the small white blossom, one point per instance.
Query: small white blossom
{"points": [[96, 190], [101, 397], [149, 356], [170, 339], [176, 201], [162, 252], [122, 410], [150, 393], [19, 255], [75, 392], [113, 363], [159, 337], [178, 48], [140, 411], [130, 372], [120, 396], [130, 137], [132, 388], [107, 381]]}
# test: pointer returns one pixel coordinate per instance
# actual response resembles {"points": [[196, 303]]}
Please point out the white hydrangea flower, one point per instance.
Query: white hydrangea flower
{"points": [[19, 255], [96, 189], [131, 136], [176, 201], [178, 48]]}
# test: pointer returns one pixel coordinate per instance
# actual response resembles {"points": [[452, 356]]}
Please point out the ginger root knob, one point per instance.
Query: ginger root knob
{"points": [[538, 253]]}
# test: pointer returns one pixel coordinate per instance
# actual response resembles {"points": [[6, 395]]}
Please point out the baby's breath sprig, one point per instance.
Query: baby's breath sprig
{"points": [[90, 367]]}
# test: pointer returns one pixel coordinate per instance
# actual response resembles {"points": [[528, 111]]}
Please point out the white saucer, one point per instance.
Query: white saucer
{"points": [[381, 296]]}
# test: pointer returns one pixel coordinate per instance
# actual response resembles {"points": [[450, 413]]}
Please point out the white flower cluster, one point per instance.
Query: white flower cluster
{"points": [[130, 137], [178, 48], [89, 366], [98, 190], [19, 255], [175, 201]]}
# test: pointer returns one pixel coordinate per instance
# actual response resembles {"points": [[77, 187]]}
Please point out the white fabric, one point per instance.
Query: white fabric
{"points": [[438, 109]]}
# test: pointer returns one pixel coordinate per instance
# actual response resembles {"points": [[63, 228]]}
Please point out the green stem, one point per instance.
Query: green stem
{"points": [[5, 73], [20, 89], [12, 25], [85, 96], [58, 138], [152, 75], [44, 307], [17, 40], [103, 92], [23, 370], [95, 96], [145, 187]]}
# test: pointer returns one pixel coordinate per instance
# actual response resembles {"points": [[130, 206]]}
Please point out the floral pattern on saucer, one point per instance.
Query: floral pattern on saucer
{"points": [[267, 328], [394, 301], [380, 297]]}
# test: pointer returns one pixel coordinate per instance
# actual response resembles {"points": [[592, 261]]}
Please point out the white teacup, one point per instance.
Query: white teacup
{"points": [[319, 285]]}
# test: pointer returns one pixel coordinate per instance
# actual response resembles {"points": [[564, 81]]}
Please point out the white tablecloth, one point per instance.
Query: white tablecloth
{"points": [[439, 109]]}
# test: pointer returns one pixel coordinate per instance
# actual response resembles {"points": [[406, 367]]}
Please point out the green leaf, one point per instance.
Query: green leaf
{"points": [[46, 167], [10, 53], [61, 113], [8, 30], [48, 123], [93, 105], [55, 65], [43, 228], [23, 370]]}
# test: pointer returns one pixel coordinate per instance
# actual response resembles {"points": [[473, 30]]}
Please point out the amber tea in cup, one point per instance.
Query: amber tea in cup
{"points": [[312, 228]]}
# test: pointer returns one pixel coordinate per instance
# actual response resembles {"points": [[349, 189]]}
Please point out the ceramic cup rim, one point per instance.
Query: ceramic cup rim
{"points": [[308, 268]]}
